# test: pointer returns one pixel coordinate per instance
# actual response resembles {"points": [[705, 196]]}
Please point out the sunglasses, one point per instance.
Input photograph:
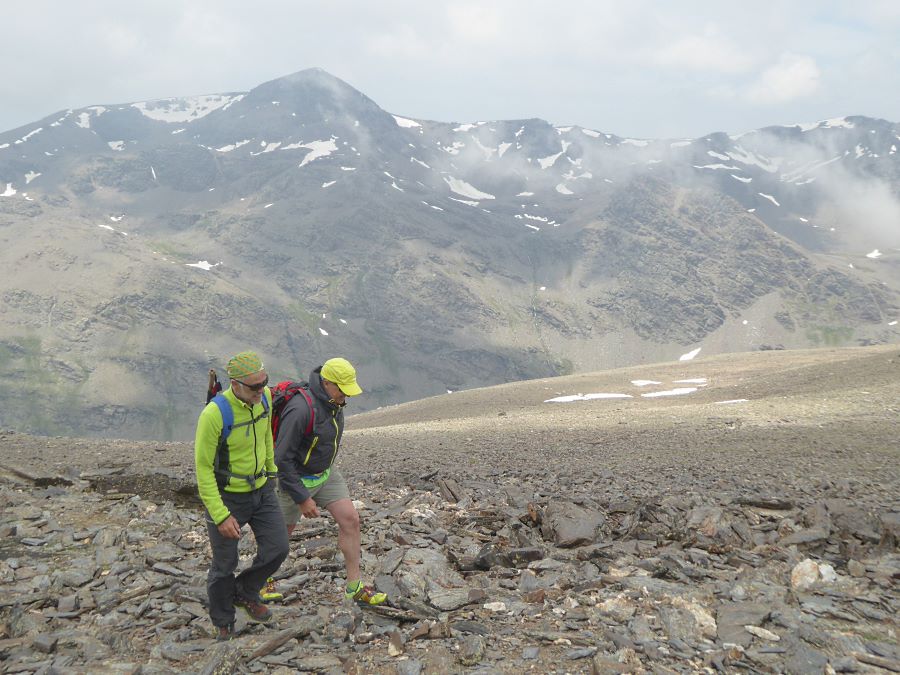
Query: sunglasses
{"points": [[255, 387]]}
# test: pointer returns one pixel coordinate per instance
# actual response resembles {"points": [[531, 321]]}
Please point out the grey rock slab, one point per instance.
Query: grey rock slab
{"points": [[409, 667], [45, 643], [807, 536], [531, 653], [164, 553], [472, 627], [392, 560], [452, 598], [471, 650], [582, 653], [731, 619], [164, 568], [569, 525], [803, 660]]}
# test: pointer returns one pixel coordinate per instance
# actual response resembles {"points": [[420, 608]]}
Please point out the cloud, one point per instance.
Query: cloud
{"points": [[707, 52], [475, 22], [600, 63], [794, 76]]}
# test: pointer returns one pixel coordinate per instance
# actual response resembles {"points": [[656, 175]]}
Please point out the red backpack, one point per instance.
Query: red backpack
{"points": [[284, 392]]}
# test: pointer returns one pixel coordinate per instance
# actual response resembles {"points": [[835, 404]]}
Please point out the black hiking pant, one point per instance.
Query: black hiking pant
{"points": [[261, 510]]}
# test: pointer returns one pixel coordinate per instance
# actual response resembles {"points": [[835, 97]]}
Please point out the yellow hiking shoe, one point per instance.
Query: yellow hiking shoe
{"points": [[269, 592], [365, 595]]}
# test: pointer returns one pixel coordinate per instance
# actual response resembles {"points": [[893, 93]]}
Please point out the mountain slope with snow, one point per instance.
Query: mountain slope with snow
{"points": [[145, 242]]}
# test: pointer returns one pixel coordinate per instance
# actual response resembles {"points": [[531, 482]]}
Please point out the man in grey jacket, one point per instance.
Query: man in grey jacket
{"points": [[308, 478]]}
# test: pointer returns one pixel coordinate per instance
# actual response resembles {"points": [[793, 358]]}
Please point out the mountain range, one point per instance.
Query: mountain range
{"points": [[143, 243]]}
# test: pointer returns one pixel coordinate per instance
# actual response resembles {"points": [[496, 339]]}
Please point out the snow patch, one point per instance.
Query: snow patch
{"points": [[318, 149], [117, 145], [202, 264], [547, 162], [9, 191], [84, 119], [690, 355], [30, 176], [770, 198], [464, 201], [461, 187], [874, 254], [178, 110], [563, 190], [739, 154], [680, 391], [718, 166], [585, 397], [233, 146], [405, 123]]}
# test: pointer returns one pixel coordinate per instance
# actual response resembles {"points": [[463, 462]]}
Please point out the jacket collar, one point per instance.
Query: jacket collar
{"points": [[318, 389]]}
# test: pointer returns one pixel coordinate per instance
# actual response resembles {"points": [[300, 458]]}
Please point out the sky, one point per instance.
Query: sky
{"points": [[636, 68]]}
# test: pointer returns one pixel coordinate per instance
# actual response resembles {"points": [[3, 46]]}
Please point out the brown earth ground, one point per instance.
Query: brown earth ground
{"points": [[809, 417]]}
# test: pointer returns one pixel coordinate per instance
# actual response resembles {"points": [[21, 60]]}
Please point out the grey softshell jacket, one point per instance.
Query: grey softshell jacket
{"points": [[293, 455]]}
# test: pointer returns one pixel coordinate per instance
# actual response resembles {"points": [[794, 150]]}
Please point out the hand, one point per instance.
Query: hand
{"points": [[229, 528], [308, 509]]}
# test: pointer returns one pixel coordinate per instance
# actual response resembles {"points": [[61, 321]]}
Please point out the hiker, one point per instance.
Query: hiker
{"points": [[308, 479], [233, 453]]}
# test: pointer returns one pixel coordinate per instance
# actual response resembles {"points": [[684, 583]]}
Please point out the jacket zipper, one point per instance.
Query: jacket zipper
{"points": [[336, 436]]}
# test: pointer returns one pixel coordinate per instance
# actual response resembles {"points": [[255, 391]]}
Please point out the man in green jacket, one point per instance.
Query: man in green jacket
{"points": [[233, 478]]}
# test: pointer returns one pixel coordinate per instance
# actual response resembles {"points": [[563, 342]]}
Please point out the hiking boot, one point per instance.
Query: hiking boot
{"points": [[366, 595], [256, 611], [269, 593], [224, 633]]}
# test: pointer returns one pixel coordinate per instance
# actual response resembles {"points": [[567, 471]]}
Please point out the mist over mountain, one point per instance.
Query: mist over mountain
{"points": [[143, 243]]}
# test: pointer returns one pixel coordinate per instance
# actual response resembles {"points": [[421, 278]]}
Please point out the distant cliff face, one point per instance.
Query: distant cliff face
{"points": [[144, 243]]}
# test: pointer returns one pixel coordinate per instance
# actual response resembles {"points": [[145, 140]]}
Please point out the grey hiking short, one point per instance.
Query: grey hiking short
{"points": [[331, 490]]}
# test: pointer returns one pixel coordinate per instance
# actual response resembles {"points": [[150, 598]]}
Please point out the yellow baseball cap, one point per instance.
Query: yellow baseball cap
{"points": [[343, 374]]}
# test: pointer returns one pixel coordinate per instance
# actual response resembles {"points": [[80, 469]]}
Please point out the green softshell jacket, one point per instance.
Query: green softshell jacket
{"points": [[250, 451]]}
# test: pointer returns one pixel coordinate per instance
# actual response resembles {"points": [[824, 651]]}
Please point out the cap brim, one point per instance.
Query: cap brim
{"points": [[351, 389]]}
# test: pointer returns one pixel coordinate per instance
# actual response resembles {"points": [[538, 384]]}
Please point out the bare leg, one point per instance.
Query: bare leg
{"points": [[349, 537]]}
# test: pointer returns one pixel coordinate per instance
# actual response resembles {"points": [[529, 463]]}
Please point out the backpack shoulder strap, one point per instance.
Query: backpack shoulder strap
{"points": [[312, 410], [227, 414]]}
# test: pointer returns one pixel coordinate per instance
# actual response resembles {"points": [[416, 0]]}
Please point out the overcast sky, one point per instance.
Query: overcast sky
{"points": [[640, 68]]}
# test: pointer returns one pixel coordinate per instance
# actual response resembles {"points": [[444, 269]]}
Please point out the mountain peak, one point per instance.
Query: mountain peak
{"points": [[314, 88]]}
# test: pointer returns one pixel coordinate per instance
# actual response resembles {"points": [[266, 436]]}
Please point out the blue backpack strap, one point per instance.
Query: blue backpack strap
{"points": [[227, 415], [222, 463]]}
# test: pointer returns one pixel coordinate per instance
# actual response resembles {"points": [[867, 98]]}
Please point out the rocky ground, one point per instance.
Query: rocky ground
{"points": [[661, 534]]}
